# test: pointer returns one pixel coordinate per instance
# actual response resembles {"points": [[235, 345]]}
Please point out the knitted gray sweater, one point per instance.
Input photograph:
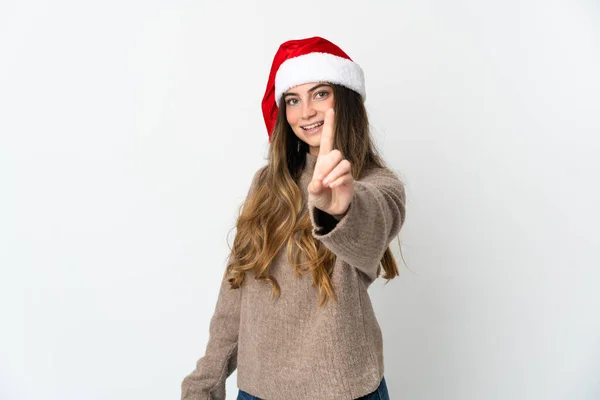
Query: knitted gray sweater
{"points": [[288, 348]]}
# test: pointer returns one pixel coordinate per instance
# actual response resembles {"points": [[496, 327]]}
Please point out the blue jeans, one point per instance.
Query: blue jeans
{"points": [[381, 393]]}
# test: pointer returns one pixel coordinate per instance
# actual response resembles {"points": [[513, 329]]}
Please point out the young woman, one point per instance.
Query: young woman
{"points": [[293, 313]]}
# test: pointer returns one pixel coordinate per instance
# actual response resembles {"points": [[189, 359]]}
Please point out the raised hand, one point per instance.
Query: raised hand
{"points": [[332, 185]]}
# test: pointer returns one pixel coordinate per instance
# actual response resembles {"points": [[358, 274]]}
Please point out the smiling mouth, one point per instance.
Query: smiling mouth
{"points": [[313, 126]]}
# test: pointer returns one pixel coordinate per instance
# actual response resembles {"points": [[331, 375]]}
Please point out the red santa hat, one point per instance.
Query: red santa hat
{"points": [[308, 60]]}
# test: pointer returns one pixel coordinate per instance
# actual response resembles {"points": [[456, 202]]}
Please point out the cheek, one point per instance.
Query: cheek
{"points": [[327, 104], [291, 116]]}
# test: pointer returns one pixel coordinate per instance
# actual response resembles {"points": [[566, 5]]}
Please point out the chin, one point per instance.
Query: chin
{"points": [[314, 141]]}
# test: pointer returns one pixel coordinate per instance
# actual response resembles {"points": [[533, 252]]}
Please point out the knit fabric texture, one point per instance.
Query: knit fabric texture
{"points": [[289, 348]]}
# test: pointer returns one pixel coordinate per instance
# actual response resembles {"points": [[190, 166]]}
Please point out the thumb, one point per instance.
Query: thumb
{"points": [[315, 186]]}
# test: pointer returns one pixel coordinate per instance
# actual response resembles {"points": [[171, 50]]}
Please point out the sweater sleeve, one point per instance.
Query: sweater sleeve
{"points": [[361, 235], [207, 381]]}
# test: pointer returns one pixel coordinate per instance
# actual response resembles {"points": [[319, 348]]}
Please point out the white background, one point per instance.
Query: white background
{"points": [[130, 131]]}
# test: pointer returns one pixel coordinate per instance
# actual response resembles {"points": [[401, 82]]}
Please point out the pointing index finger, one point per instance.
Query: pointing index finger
{"points": [[327, 134]]}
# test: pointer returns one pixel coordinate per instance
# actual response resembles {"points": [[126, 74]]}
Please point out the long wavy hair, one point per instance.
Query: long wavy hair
{"points": [[274, 214]]}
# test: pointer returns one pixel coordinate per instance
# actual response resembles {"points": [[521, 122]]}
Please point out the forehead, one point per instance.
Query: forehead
{"points": [[305, 87]]}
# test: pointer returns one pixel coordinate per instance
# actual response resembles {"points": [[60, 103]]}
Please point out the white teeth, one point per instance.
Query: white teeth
{"points": [[309, 127]]}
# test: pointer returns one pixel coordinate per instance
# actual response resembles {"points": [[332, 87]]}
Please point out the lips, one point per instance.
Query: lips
{"points": [[312, 126]]}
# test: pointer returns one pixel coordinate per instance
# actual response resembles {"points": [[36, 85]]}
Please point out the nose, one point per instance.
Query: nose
{"points": [[307, 110]]}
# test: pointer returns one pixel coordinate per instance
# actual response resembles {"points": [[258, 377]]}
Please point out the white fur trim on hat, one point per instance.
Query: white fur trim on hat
{"points": [[319, 67]]}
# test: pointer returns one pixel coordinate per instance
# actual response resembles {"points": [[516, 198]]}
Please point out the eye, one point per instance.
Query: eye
{"points": [[291, 102], [321, 94]]}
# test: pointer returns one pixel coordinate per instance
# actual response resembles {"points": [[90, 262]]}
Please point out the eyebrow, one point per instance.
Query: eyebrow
{"points": [[309, 90]]}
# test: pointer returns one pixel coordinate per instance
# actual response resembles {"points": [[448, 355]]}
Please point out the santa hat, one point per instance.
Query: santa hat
{"points": [[308, 60]]}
